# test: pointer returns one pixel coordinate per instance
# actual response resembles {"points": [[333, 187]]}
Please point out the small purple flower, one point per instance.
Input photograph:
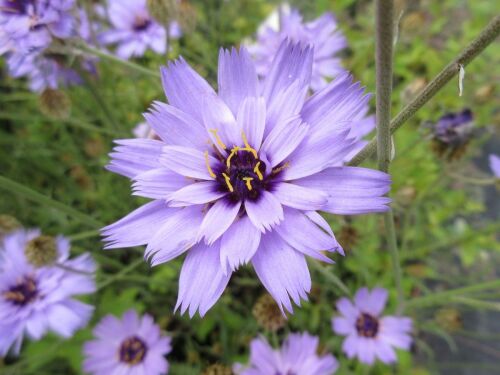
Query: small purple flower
{"points": [[454, 129], [131, 346], [322, 33], [297, 356], [370, 335], [237, 176], [134, 30], [31, 24], [495, 165], [36, 300]]}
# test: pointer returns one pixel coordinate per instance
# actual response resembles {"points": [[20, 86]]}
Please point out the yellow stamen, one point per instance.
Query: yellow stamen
{"points": [[234, 151], [247, 145], [228, 182], [210, 171], [248, 181], [257, 171], [285, 166], [217, 139]]}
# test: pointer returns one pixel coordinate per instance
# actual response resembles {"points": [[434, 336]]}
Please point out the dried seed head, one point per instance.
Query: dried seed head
{"points": [[406, 195], [187, 17], [163, 11], [268, 314], [8, 224], [55, 104], [449, 319], [41, 251], [217, 369], [348, 237]]}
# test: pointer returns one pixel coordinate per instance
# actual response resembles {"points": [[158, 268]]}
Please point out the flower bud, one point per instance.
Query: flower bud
{"points": [[55, 104], [8, 224], [217, 369], [41, 251], [268, 314]]}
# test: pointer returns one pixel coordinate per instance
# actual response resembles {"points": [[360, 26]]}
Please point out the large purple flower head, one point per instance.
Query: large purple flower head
{"points": [[134, 30], [297, 356], [237, 176], [34, 300], [495, 165], [28, 24], [370, 335], [131, 346], [322, 33]]}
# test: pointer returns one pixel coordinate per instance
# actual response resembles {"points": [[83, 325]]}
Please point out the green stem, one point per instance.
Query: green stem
{"points": [[384, 55], [26, 192], [84, 235], [331, 277], [445, 296], [132, 266], [485, 38], [85, 48]]}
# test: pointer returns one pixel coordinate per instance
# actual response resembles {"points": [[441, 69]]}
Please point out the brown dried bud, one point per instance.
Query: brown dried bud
{"points": [[163, 11], [449, 319], [217, 369], [268, 314], [41, 251], [8, 224], [55, 104]]}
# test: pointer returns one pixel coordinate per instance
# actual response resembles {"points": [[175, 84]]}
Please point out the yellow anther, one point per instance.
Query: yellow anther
{"points": [[210, 171], [217, 138], [247, 145], [248, 181], [257, 171], [228, 182], [279, 169], [234, 151]]}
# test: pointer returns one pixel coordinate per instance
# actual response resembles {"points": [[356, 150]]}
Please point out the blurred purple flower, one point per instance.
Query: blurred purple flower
{"points": [[369, 335], [298, 355], [495, 165], [131, 346], [36, 300], [49, 70], [31, 24], [322, 33], [454, 129], [238, 176], [134, 30], [143, 130]]}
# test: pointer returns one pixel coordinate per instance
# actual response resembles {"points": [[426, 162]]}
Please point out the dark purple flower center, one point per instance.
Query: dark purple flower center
{"points": [[141, 23], [14, 6], [133, 350], [367, 325], [23, 292]]}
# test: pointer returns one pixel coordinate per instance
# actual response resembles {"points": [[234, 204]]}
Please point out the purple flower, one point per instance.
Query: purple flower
{"points": [[143, 130], [322, 33], [131, 346], [29, 24], [369, 335], [134, 30], [495, 165], [238, 176], [297, 356], [36, 300], [454, 129]]}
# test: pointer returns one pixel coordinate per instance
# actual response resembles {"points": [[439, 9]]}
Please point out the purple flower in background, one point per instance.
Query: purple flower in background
{"points": [[322, 33], [237, 176], [130, 346], [36, 300], [495, 165], [134, 30], [370, 335], [31, 24], [297, 356], [454, 128]]}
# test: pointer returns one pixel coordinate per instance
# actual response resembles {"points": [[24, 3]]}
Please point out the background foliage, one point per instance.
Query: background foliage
{"points": [[447, 226]]}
